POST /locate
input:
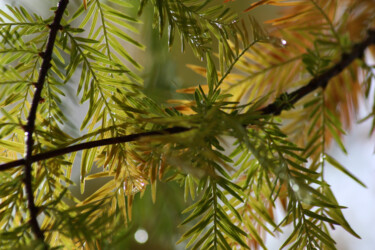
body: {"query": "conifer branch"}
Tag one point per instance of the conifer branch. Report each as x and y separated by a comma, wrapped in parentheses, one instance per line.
(274, 108)
(321, 80)
(93, 144)
(30, 127)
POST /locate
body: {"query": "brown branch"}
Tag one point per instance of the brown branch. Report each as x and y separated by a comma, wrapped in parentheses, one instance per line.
(30, 127)
(273, 109)
(321, 80)
(93, 144)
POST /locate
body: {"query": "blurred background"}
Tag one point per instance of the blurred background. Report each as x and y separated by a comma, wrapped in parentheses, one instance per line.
(155, 226)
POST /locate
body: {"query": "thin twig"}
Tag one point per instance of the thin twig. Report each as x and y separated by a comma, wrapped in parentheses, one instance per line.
(272, 109)
(30, 127)
(234, 63)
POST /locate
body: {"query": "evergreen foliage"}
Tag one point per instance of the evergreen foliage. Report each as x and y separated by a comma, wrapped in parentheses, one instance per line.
(265, 87)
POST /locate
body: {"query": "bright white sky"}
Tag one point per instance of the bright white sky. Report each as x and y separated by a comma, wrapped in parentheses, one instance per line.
(360, 201)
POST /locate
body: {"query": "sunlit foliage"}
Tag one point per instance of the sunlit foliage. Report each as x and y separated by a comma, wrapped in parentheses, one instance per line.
(279, 93)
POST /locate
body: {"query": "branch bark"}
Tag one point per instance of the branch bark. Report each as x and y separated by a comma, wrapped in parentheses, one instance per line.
(274, 108)
(321, 80)
(93, 144)
(30, 127)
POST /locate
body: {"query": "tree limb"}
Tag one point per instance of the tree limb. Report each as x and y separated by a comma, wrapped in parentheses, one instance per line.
(93, 144)
(274, 108)
(321, 80)
(30, 127)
